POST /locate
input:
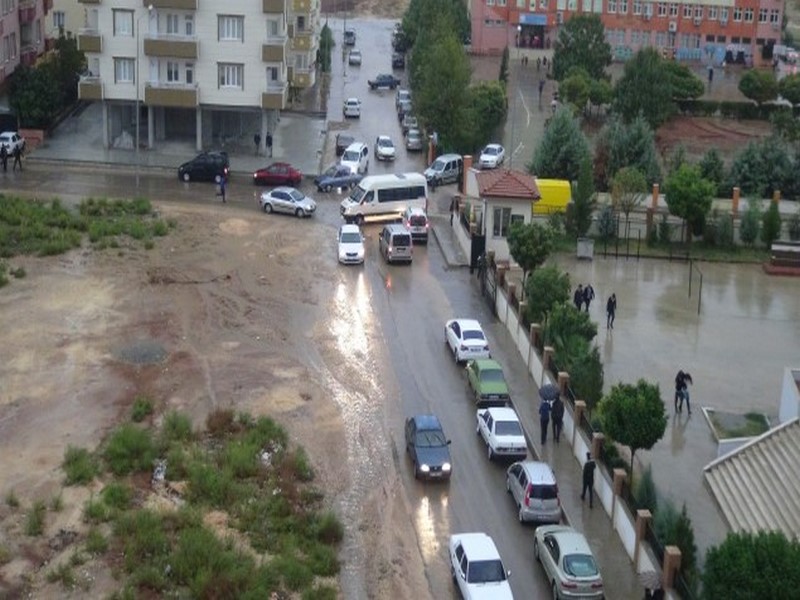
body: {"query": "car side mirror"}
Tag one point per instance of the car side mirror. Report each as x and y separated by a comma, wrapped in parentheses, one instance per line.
(449, 442)
(508, 574)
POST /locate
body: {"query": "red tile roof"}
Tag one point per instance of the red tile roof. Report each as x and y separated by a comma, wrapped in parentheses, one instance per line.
(505, 183)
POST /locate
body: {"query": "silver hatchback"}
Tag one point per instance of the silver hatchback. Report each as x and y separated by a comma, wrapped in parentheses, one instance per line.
(532, 485)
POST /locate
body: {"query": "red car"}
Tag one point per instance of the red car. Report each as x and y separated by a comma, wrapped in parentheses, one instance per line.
(278, 173)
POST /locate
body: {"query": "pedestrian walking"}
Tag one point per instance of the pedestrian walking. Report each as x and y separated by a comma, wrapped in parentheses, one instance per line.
(588, 479)
(611, 311)
(557, 416)
(544, 61)
(222, 186)
(577, 298)
(588, 295)
(4, 157)
(710, 74)
(682, 382)
(544, 419)
(554, 105)
(17, 158)
(453, 209)
(257, 142)
(269, 143)
(538, 63)
(541, 88)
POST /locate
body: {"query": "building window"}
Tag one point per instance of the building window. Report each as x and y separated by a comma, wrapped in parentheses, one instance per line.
(501, 2)
(623, 7)
(587, 6)
(645, 38)
(612, 7)
(637, 7)
(489, 2)
(673, 10)
(123, 22)
(747, 41)
(189, 73)
(763, 15)
(687, 11)
(737, 14)
(698, 12)
(231, 28)
(301, 62)
(58, 19)
(598, 7)
(723, 14)
(662, 9)
(172, 25)
(273, 75)
(735, 40)
(542, 5)
(661, 39)
(721, 39)
(712, 14)
(301, 23)
(173, 74)
(774, 16)
(189, 25)
(273, 28)
(748, 15)
(501, 222)
(124, 70)
(231, 76)
(572, 5)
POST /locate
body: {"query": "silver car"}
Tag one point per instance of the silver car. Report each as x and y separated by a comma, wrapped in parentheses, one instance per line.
(414, 140)
(533, 488)
(287, 200)
(568, 563)
(354, 58)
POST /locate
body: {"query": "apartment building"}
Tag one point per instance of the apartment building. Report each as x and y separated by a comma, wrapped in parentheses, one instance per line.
(738, 31)
(195, 69)
(22, 34)
(68, 16)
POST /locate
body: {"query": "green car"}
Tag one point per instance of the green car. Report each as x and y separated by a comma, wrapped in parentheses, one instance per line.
(487, 382)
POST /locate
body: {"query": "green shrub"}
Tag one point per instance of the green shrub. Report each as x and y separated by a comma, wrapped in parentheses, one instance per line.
(142, 408)
(18, 273)
(117, 495)
(267, 433)
(96, 543)
(63, 574)
(160, 228)
(323, 592)
(750, 223)
(724, 231)
(645, 492)
(607, 224)
(149, 577)
(143, 537)
(34, 521)
(79, 465)
(301, 466)
(545, 288)
(296, 575)
(770, 224)
(322, 560)
(129, 449)
(57, 502)
(176, 427)
(11, 499)
(211, 485)
(241, 458)
(95, 511)
(329, 529)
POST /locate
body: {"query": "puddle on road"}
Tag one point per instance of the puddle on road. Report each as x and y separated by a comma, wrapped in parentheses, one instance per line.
(141, 352)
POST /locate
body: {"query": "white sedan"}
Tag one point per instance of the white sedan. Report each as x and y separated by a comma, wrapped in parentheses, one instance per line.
(466, 339)
(492, 156)
(287, 200)
(352, 108)
(501, 430)
(477, 569)
(12, 140)
(568, 562)
(351, 245)
(384, 148)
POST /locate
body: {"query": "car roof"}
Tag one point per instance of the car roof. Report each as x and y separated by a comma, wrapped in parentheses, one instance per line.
(493, 146)
(538, 472)
(350, 228)
(355, 51)
(285, 188)
(427, 422)
(416, 210)
(384, 137)
(344, 136)
(279, 164)
(353, 100)
(569, 540)
(355, 147)
(503, 413)
(468, 323)
(414, 131)
(478, 546)
(486, 363)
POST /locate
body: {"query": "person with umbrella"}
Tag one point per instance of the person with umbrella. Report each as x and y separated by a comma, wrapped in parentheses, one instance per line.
(548, 393)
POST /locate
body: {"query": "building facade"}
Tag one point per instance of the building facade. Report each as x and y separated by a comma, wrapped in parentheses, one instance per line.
(67, 16)
(22, 34)
(736, 31)
(197, 69)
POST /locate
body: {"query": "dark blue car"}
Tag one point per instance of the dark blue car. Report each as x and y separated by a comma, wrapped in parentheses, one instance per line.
(428, 447)
(337, 176)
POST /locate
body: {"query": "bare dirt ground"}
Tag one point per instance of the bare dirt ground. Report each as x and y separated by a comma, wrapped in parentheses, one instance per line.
(699, 134)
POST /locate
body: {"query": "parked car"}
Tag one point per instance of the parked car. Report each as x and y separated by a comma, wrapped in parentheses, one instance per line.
(414, 140)
(447, 168)
(354, 58)
(287, 200)
(279, 173)
(398, 60)
(568, 562)
(404, 108)
(350, 243)
(401, 95)
(384, 148)
(428, 447)
(349, 37)
(206, 166)
(384, 80)
(532, 485)
(487, 382)
(492, 156)
(477, 569)
(356, 158)
(343, 140)
(501, 430)
(465, 339)
(409, 122)
(12, 140)
(337, 176)
(417, 223)
(352, 108)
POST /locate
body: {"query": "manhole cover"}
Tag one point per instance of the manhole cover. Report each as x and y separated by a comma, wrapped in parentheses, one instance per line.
(142, 352)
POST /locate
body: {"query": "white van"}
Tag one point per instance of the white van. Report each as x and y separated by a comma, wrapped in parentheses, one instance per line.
(381, 197)
(445, 169)
(356, 158)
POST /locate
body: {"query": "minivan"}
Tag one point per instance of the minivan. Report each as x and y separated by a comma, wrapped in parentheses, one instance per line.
(416, 221)
(395, 243)
(532, 485)
(356, 157)
(445, 169)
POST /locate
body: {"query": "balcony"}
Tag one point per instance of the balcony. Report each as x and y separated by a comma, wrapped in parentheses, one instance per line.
(303, 40)
(90, 88)
(274, 6)
(28, 54)
(27, 12)
(169, 46)
(179, 4)
(303, 78)
(90, 40)
(274, 49)
(177, 95)
(303, 6)
(89, 1)
(275, 96)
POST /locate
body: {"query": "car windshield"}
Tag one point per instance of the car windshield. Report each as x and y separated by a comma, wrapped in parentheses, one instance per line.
(413, 135)
(507, 428)
(438, 165)
(430, 439)
(492, 376)
(385, 143)
(331, 171)
(351, 156)
(473, 334)
(490, 151)
(486, 571)
(357, 194)
(417, 220)
(296, 195)
(351, 237)
(580, 565)
(543, 492)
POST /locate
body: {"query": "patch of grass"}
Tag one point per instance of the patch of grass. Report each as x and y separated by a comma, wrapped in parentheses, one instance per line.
(220, 422)
(177, 463)
(301, 465)
(322, 560)
(34, 521)
(328, 528)
(150, 577)
(57, 503)
(321, 592)
(176, 427)
(241, 458)
(143, 536)
(211, 485)
(117, 496)
(79, 465)
(142, 408)
(5, 555)
(160, 228)
(95, 511)
(62, 574)
(296, 575)
(11, 499)
(77, 559)
(130, 449)
(96, 542)
(734, 426)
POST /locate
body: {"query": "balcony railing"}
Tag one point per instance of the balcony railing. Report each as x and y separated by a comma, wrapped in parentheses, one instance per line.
(164, 93)
(275, 95)
(178, 4)
(90, 87)
(27, 12)
(27, 55)
(274, 49)
(273, 6)
(169, 45)
(90, 40)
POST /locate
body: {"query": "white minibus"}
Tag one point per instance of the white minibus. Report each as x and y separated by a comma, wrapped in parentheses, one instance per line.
(381, 197)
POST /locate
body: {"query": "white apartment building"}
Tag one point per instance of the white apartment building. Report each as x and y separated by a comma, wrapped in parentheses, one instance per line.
(196, 68)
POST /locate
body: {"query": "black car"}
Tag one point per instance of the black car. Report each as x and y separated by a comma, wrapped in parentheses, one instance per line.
(343, 140)
(206, 166)
(350, 37)
(398, 60)
(384, 80)
(428, 447)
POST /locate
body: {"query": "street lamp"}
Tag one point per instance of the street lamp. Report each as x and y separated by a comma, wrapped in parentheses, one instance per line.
(514, 106)
(136, 81)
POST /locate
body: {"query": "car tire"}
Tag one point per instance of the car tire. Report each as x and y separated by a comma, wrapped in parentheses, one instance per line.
(555, 590)
(267, 207)
(416, 470)
(327, 189)
(521, 516)
(299, 213)
(359, 220)
(489, 452)
(508, 485)
(536, 556)
(186, 177)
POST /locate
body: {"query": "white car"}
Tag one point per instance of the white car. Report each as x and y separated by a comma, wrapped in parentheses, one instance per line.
(352, 108)
(492, 156)
(568, 562)
(287, 200)
(477, 569)
(350, 241)
(501, 430)
(384, 148)
(466, 339)
(12, 140)
(354, 58)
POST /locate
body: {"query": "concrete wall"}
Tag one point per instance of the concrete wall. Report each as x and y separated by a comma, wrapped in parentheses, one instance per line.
(790, 396)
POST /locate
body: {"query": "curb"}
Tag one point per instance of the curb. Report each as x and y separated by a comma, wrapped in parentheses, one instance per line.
(451, 264)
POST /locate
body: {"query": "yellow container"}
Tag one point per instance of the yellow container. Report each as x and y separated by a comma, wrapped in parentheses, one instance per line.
(556, 194)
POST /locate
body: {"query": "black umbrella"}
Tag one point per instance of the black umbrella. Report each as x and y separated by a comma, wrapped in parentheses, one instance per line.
(549, 392)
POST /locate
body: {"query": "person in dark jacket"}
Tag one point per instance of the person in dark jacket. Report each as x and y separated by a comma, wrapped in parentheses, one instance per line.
(544, 419)
(4, 157)
(682, 381)
(17, 154)
(588, 295)
(577, 298)
(588, 479)
(557, 416)
(611, 311)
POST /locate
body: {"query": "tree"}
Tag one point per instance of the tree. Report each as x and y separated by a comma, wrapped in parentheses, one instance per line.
(689, 196)
(579, 211)
(623, 144)
(770, 224)
(586, 376)
(748, 565)
(529, 244)
(566, 321)
(750, 225)
(562, 150)
(759, 86)
(627, 191)
(762, 167)
(634, 415)
(544, 289)
(789, 88)
(421, 13)
(607, 223)
(581, 42)
(634, 93)
(600, 92)
(488, 101)
(575, 88)
(685, 84)
(35, 95)
(503, 77)
(713, 169)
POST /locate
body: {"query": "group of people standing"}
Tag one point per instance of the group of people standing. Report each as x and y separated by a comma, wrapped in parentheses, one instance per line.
(583, 297)
(16, 154)
(551, 410)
